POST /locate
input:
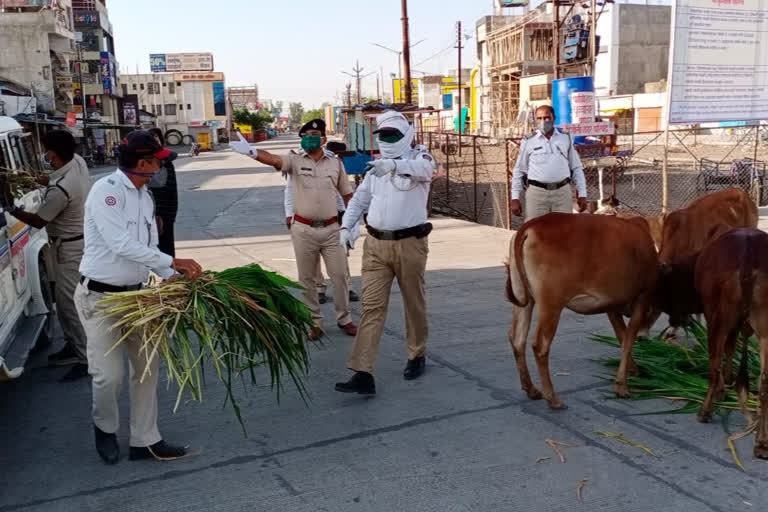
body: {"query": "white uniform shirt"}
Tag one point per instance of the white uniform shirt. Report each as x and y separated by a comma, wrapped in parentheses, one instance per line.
(395, 202)
(121, 234)
(548, 161)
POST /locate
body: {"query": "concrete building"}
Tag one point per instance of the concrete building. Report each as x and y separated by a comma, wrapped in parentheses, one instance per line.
(36, 49)
(94, 74)
(190, 102)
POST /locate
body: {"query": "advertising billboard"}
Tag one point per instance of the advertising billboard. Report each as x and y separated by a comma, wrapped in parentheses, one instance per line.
(175, 62)
(107, 72)
(718, 62)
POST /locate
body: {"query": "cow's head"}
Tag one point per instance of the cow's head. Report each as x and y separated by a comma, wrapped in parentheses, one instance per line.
(676, 291)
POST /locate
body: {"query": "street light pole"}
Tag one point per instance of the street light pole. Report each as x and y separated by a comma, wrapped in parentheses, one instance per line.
(406, 53)
(84, 100)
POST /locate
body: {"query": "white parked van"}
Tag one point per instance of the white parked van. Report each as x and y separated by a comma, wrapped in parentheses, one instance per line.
(26, 300)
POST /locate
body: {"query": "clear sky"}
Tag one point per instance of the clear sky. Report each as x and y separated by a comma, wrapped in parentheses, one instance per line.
(295, 50)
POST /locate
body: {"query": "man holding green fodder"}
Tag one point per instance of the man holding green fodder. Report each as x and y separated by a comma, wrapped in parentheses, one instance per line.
(120, 249)
(316, 180)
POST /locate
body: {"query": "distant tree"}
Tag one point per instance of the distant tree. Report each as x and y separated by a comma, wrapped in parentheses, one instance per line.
(256, 120)
(296, 110)
(318, 113)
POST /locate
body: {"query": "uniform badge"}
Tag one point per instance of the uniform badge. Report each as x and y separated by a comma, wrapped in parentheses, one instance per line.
(426, 157)
(110, 200)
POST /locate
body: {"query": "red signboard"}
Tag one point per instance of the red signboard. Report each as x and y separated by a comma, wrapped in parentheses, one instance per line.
(71, 119)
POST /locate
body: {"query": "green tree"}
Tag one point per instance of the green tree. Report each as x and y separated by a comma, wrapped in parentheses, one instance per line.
(256, 120)
(296, 110)
(312, 114)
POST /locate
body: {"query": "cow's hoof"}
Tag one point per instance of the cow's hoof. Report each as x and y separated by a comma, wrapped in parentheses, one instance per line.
(534, 394)
(621, 391)
(761, 450)
(557, 405)
(704, 417)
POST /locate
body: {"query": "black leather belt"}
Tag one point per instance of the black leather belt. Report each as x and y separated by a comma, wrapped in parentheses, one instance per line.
(419, 231)
(99, 287)
(73, 239)
(550, 186)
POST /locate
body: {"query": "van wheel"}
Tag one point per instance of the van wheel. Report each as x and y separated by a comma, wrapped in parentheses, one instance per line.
(46, 335)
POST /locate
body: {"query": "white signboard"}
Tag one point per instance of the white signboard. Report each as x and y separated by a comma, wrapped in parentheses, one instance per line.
(594, 129)
(582, 107)
(719, 61)
(189, 62)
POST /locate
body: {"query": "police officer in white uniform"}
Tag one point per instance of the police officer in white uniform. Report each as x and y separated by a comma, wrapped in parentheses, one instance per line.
(120, 249)
(394, 192)
(551, 163)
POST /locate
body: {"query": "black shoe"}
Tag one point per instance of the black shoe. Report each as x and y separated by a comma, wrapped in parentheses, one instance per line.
(322, 298)
(361, 383)
(160, 451)
(78, 371)
(414, 368)
(106, 445)
(353, 297)
(63, 357)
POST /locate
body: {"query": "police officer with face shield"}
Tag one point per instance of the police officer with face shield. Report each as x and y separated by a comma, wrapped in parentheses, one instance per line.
(61, 213)
(394, 192)
(317, 179)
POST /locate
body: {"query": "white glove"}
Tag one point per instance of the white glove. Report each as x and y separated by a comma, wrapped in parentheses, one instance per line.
(243, 147)
(356, 230)
(380, 167)
(347, 240)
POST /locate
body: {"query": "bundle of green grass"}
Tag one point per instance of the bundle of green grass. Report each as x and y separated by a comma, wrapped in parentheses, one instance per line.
(235, 320)
(679, 371)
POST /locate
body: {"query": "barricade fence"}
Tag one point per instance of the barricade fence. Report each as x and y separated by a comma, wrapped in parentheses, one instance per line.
(474, 171)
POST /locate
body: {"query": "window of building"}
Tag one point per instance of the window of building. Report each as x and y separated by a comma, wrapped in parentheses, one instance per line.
(170, 109)
(144, 108)
(181, 107)
(540, 92)
(171, 88)
(157, 110)
(189, 106)
(178, 84)
(133, 86)
(141, 86)
(125, 89)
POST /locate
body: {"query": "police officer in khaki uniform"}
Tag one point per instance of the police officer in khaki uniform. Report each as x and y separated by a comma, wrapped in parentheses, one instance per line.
(317, 178)
(61, 213)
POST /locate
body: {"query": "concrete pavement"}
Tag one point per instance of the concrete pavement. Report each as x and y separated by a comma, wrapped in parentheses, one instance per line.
(461, 438)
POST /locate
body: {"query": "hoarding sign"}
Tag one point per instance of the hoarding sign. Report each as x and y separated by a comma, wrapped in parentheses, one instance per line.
(71, 119)
(130, 113)
(718, 62)
(198, 77)
(398, 90)
(594, 129)
(175, 62)
(582, 107)
(243, 128)
(107, 71)
(86, 18)
(219, 99)
(157, 62)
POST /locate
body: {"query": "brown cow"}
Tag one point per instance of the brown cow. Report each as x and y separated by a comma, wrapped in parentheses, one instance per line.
(728, 282)
(557, 261)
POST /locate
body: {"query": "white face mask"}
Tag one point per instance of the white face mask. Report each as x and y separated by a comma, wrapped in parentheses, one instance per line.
(399, 148)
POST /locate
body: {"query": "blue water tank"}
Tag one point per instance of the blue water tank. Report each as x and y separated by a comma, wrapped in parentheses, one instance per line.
(561, 98)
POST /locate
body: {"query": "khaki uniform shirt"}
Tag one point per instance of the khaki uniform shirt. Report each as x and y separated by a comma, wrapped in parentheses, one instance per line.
(316, 185)
(64, 199)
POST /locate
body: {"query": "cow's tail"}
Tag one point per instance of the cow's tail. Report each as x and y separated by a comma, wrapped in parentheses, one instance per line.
(517, 280)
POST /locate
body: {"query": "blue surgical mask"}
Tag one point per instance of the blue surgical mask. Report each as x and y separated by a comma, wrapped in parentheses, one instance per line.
(45, 162)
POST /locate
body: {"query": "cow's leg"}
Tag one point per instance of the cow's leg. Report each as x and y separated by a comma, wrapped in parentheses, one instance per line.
(617, 322)
(650, 317)
(761, 440)
(717, 338)
(730, 351)
(627, 364)
(518, 336)
(742, 380)
(545, 333)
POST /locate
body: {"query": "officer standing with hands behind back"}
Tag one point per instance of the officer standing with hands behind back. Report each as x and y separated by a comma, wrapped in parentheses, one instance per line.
(120, 249)
(550, 162)
(317, 178)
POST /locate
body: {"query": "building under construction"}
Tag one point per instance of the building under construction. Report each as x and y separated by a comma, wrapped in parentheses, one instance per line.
(517, 49)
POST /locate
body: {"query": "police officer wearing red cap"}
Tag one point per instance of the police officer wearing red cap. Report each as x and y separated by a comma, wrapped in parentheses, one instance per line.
(120, 250)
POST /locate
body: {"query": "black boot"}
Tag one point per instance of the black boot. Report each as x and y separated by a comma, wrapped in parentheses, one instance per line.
(106, 445)
(361, 383)
(414, 368)
(160, 451)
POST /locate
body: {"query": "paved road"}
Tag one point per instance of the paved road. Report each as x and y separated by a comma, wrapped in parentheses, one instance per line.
(462, 438)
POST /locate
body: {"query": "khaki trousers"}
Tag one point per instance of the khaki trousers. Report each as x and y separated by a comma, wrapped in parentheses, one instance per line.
(67, 269)
(108, 373)
(539, 201)
(320, 278)
(309, 244)
(384, 260)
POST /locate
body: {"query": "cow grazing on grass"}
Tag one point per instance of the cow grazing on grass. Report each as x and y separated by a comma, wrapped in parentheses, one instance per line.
(590, 264)
(728, 282)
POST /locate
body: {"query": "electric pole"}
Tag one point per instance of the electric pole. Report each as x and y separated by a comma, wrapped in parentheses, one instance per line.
(406, 53)
(83, 100)
(458, 81)
(357, 69)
